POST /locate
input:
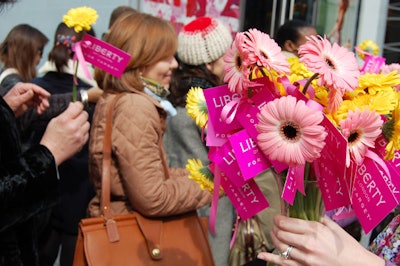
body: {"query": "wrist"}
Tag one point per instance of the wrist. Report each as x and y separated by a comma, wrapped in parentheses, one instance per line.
(84, 97)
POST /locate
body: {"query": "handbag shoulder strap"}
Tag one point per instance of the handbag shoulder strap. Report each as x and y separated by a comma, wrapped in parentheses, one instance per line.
(106, 163)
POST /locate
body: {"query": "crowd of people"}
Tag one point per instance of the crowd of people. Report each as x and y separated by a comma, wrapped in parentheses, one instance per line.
(51, 147)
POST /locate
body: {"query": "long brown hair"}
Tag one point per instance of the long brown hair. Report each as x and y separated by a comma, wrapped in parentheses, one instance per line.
(64, 38)
(20, 48)
(186, 76)
(148, 39)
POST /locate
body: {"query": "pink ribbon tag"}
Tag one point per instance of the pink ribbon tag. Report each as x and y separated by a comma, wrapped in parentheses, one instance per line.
(344, 213)
(267, 85)
(105, 56)
(215, 198)
(331, 168)
(289, 87)
(372, 199)
(342, 216)
(373, 64)
(310, 103)
(225, 158)
(212, 153)
(294, 181)
(350, 177)
(248, 110)
(290, 187)
(232, 242)
(310, 90)
(393, 181)
(213, 138)
(249, 157)
(216, 99)
(78, 55)
(247, 199)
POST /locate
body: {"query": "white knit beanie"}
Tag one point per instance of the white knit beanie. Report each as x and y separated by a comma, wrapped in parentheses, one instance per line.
(203, 41)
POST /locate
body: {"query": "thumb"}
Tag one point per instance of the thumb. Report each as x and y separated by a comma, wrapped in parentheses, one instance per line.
(26, 96)
(73, 110)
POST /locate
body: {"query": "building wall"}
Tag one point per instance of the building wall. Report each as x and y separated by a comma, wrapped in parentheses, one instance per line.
(372, 21)
(46, 14)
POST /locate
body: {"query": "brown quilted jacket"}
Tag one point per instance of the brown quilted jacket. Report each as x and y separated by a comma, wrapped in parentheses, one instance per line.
(138, 179)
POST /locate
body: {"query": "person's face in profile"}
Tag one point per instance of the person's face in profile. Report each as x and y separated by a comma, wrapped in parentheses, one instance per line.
(303, 33)
(292, 47)
(161, 71)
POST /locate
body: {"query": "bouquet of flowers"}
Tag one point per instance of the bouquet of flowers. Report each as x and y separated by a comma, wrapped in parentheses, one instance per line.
(320, 118)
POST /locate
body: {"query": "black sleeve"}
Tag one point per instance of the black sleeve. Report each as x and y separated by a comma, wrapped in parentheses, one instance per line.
(9, 82)
(28, 185)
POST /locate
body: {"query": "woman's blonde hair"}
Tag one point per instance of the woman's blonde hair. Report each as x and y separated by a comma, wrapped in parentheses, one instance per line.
(148, 39)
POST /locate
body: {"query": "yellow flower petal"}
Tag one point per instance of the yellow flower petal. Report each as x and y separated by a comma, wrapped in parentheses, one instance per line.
(196, 106)
(80, 18)
(197, 173)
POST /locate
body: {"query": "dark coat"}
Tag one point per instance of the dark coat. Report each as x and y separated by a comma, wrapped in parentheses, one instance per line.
(75, 188)
(28, 187)
(9, 82)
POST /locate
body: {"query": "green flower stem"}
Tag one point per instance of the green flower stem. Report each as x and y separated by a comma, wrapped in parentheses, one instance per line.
(311, 200)
(309, 82)
(299, 207)
(318, 205)
(280, 181)
(307, 207)
(74, 89)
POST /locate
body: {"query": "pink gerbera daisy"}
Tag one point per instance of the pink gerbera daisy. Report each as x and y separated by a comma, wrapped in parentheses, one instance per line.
(361, 128)
(264, 52)
(335, 99)
(336, 65)
(237, 72)
(289, 131)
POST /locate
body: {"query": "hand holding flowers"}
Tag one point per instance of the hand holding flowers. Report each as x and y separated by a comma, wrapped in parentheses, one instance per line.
(80, 19)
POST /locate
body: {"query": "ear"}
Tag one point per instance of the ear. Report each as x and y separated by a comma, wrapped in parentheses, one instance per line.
(290, 46)
(210, 66)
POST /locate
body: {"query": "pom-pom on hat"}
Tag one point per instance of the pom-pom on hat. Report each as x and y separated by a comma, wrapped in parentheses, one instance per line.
(203, 41)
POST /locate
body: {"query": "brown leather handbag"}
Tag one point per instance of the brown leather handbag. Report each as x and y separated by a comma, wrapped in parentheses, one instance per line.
(131, 239)
(250, 240)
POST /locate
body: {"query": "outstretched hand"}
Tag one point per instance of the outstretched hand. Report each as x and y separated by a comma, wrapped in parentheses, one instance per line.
(25, 95)
(316, 243)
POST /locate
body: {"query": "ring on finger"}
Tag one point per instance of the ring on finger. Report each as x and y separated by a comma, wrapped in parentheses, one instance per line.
(286, 253)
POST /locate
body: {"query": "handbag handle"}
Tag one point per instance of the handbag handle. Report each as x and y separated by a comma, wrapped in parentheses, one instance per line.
(111, 225)
(106, 163)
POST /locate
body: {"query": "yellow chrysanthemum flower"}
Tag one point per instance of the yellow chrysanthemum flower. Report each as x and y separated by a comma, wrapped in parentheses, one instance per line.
(81, 18)
(382, 102)
(196, 106)
(377, 82)
(321, 93)
(391, 131)
(368, 46)
(298, 70)
(201, 174)
(342, 111)
(375, 92)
